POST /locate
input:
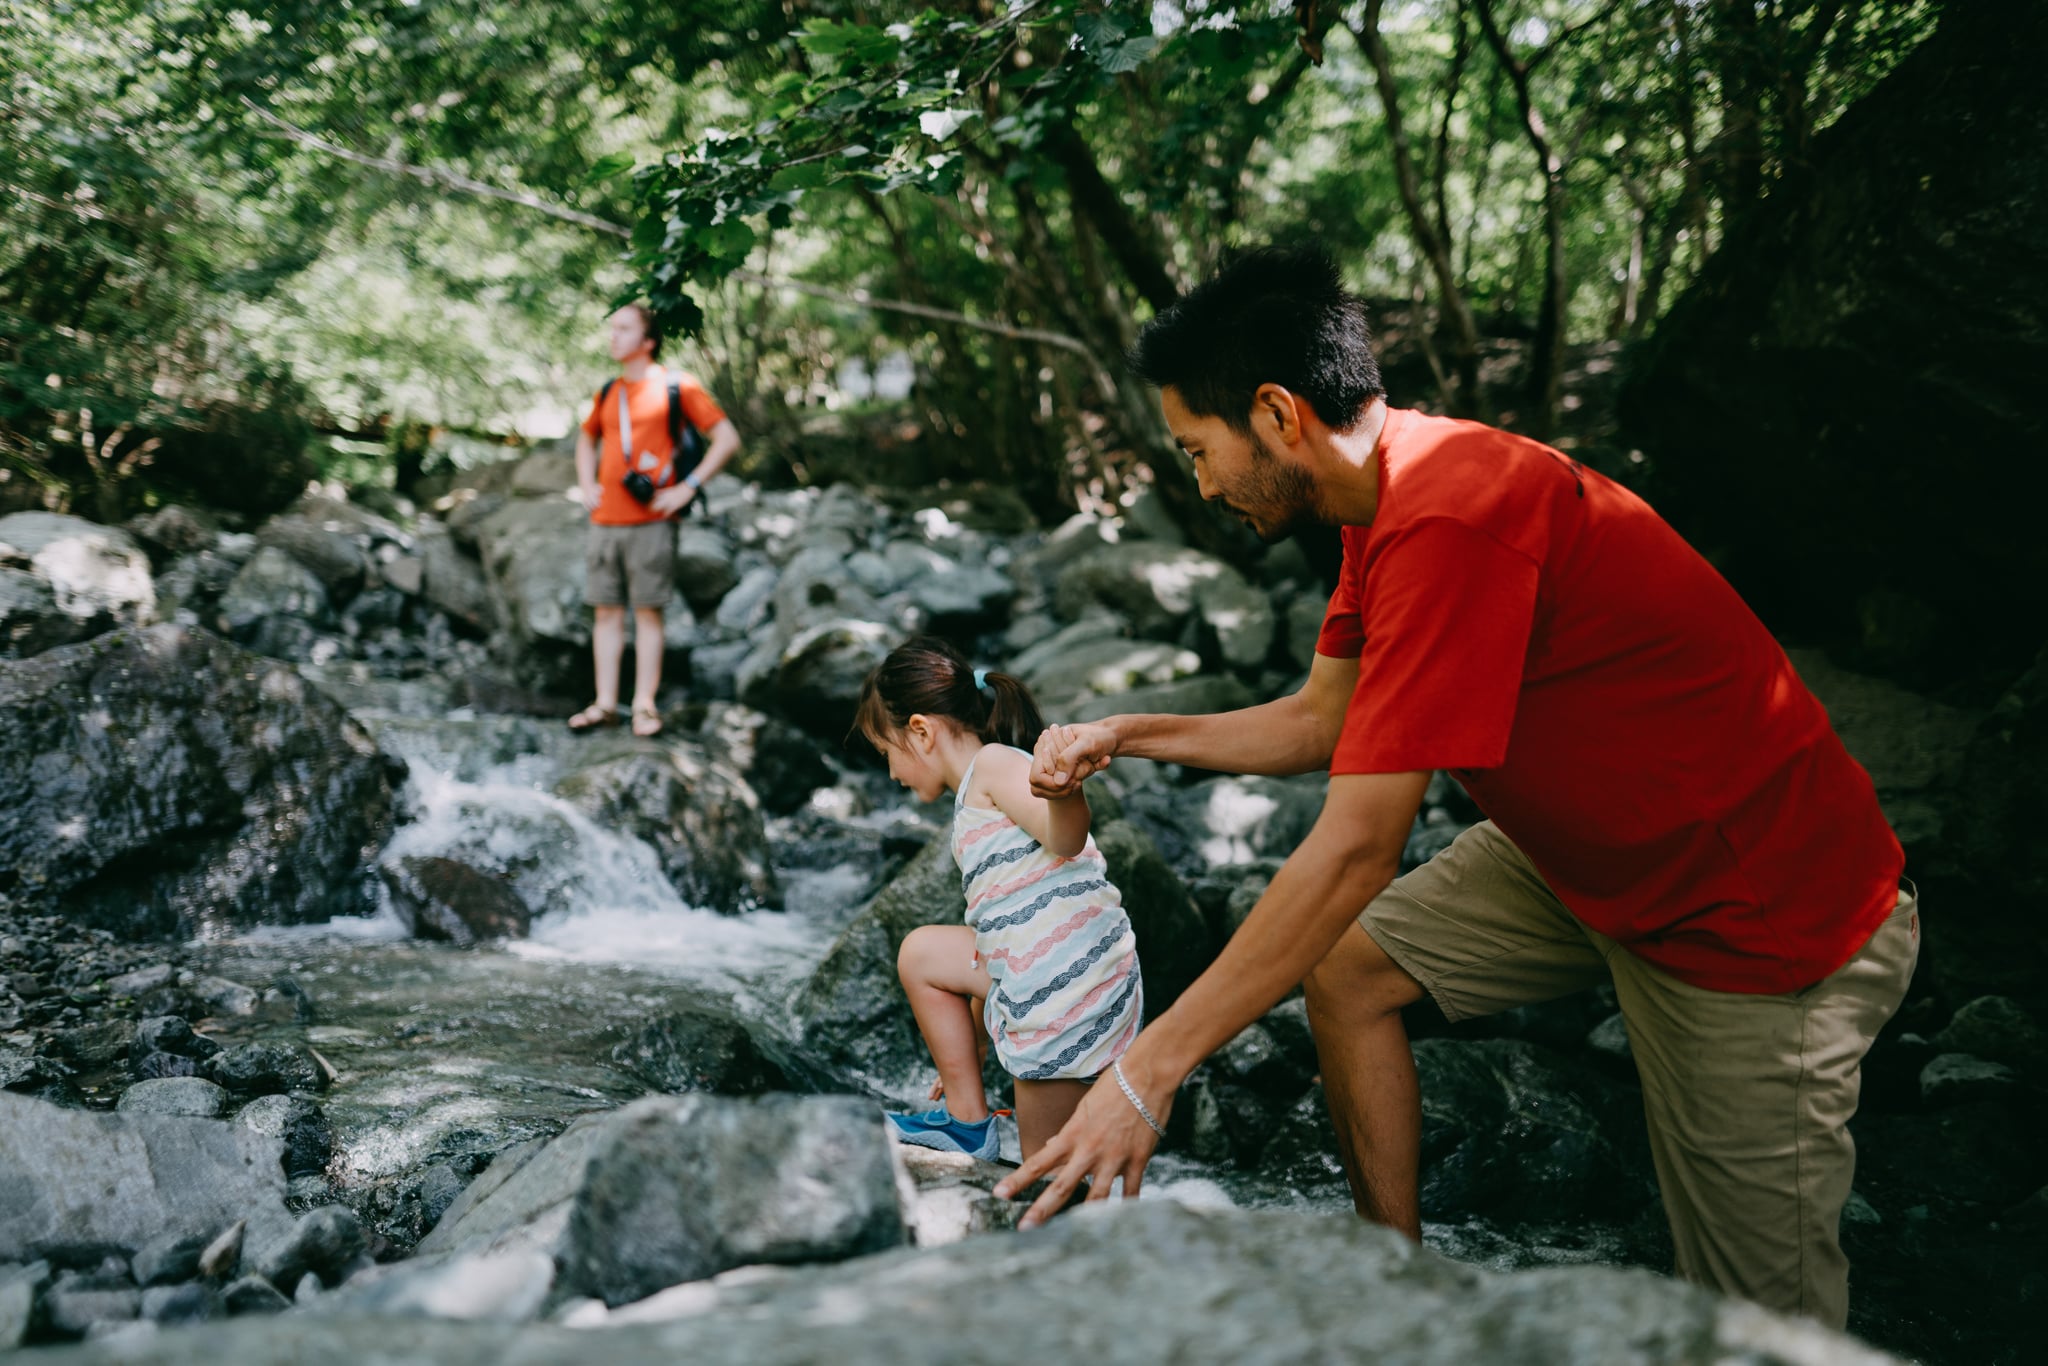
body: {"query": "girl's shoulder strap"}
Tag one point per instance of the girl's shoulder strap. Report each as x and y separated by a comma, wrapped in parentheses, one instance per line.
(960, 793)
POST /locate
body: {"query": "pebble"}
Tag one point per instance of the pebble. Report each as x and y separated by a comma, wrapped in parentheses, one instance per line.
(75, 1303)
(191, 1303)
(227, 998)
(20, 1289)
(167, 1260)
(192, 1096)
(1958, 1076)
(322, 1242)
(223, 1252)
(141, 980)
(156, 1065)
(253, 1295)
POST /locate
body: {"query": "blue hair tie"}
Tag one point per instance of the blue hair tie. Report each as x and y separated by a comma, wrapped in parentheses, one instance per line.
(981, 680)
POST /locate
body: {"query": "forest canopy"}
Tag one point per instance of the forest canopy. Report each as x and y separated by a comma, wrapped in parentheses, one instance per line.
(365, 235)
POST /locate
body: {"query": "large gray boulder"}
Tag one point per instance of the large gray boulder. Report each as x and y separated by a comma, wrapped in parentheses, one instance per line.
(29, 620)
(1094, 657)
(781, 763)
(1516, 1132)
(705, 572)
(69, 579)
(267, 599)
(160, 780)
(816, 679)
(451, 581)
(326, 543)
(1198, 695)
(190, 588)
(80, 1185)
(1160, 588)
(705, 1047)
(447, 899)
(696, 812)
(532, 552)
(677, 1188)
(850, 1013)
(1120, 1286)
(956, 597)
(173, 530)
(815, 590)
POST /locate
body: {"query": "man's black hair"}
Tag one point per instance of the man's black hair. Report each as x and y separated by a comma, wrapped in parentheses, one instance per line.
(1278, 315)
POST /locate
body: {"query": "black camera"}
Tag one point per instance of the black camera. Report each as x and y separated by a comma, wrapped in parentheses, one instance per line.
(640, 486)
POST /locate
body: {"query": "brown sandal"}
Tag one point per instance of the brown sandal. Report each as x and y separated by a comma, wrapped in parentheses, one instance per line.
(594, 717)
(646, 714)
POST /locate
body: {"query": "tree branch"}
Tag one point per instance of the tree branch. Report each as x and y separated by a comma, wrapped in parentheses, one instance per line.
(434, 176)
(859, 298)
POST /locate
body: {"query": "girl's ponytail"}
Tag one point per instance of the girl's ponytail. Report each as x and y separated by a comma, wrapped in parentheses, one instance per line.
(1013, 717)
(928, 675)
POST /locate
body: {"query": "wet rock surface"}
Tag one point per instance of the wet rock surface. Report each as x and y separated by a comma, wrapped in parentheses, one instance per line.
(218, 788)
(410, 1083)
(1140, 1284)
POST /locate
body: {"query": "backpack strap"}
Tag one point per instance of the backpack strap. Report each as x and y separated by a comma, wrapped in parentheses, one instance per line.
(686, 443)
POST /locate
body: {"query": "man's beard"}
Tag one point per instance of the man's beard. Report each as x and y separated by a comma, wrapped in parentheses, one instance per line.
(1275, 499)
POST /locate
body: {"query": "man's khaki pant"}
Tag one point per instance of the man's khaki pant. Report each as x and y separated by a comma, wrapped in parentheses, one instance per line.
(1748, 1098)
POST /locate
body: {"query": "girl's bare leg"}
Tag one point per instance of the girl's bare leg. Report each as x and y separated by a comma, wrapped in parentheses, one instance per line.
(943, 980)
(1043, 1108)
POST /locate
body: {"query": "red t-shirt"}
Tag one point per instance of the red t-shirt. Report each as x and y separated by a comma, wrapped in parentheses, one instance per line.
(647, 402)
(1611, 704)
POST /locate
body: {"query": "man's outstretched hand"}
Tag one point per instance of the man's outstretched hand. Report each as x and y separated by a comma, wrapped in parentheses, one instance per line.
(1067, 756)
(1105, 1138)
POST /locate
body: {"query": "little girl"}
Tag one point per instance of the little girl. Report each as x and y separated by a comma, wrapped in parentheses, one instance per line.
(1046, 962)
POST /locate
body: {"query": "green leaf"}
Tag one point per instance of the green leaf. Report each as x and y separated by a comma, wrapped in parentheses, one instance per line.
(606, 167)
(1128, 55)
(1097, 31)
(727, 241)
(857, 42)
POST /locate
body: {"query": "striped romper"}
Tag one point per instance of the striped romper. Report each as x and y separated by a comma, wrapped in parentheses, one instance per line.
(1058, 947)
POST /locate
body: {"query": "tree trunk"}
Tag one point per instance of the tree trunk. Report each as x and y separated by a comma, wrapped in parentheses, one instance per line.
(1128, 237)
(1434, 246)
(1545, 379)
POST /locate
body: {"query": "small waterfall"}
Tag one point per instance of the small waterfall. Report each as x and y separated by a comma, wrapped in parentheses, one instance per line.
(478, 792)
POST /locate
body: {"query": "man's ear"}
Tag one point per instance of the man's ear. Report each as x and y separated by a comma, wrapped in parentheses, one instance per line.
(1278, 405)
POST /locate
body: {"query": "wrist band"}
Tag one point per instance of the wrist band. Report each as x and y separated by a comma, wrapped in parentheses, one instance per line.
(1116, 1069)
(692, 480)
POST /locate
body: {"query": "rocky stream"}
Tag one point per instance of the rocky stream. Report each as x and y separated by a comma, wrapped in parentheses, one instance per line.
(340, 984)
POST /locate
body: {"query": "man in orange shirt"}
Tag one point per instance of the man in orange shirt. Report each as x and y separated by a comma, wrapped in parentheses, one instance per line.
(631, 553)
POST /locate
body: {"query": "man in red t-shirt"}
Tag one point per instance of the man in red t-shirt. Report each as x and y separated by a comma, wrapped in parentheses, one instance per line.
(1667, 806)
(630, 557)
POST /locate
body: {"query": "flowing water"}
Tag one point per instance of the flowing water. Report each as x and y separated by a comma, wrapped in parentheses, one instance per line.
(444, 1052)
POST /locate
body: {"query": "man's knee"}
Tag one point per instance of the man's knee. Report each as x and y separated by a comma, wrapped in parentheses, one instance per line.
(1358, 981)
(609, 613)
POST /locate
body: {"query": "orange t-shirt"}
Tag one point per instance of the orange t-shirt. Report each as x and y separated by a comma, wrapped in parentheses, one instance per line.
(647, 402)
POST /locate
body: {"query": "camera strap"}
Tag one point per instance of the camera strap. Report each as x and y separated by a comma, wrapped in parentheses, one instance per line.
(660, 476)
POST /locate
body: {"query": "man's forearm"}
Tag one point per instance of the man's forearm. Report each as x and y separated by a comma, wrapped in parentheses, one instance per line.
(725, 441)
(1281, 737)
(586, 460)
(1308, 905)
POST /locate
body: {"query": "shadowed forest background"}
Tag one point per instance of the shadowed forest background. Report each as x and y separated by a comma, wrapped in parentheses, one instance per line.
(1780, 266)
